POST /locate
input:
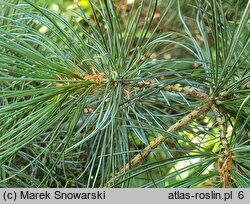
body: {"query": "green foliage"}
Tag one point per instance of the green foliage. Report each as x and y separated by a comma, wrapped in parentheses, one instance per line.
(81, 96)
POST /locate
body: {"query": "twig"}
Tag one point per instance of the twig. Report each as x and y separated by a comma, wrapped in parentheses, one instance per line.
(193, 115)
(190, 91)
(226, 157)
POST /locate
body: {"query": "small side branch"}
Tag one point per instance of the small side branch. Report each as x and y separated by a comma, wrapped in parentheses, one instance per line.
(189, 91)
(225, 161)
(185, 120)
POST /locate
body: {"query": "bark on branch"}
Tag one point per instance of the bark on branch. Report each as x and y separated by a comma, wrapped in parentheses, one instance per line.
(225, 161)
(190, 91)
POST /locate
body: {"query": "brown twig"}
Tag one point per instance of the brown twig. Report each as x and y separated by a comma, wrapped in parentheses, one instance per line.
(225, 161)
(185, 120)
(190, 91)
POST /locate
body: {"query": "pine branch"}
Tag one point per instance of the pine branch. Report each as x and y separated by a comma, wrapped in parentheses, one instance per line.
(225, 161)
(190, 91)
(202, 109)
